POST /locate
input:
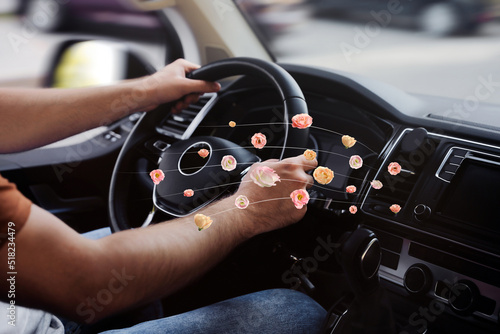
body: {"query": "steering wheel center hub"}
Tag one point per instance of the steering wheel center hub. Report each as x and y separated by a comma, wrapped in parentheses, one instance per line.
(193, 160)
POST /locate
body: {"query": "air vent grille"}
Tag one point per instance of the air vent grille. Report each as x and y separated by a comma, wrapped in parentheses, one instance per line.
(182, 124)
(397, 189)
(451, 163)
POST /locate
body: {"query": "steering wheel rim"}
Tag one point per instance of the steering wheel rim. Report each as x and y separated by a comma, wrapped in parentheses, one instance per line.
(293, 103)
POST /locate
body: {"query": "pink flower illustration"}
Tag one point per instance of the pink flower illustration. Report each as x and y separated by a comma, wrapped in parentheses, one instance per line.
(264, 176)
(394, 168)
(228, 163)
(355, 162)
(203, 153)
(157, 176)
(203, 222)
(241, 202)
(188, 193)
(376, 184)
(353, 209)
(350, 189)
(323, 175)
(259, 140)
(301, 121)
(395, 208)
(300, 197)
(348, 141)
(310, 154)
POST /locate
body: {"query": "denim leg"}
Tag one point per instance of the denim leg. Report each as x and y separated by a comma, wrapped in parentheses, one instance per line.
(97, 234)
(265, 312)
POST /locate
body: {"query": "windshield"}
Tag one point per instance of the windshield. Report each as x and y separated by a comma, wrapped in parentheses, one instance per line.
(442, 48)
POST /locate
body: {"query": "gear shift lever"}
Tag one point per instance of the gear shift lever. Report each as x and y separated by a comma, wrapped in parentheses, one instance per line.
(360, 256)
(369, 311)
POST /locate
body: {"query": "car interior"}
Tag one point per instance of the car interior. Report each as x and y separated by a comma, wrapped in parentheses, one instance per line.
(431, 267)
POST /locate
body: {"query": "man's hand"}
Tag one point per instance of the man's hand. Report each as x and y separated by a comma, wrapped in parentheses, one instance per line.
(272, 207)
(170, 84)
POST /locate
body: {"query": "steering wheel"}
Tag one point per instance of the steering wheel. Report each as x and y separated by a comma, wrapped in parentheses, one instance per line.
(183, 167)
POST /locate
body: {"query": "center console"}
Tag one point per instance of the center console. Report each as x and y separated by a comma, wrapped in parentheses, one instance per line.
(443, 246)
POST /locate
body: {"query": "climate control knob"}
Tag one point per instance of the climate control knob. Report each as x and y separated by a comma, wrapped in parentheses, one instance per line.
(418, 279)
(422, 212)
(463, 297)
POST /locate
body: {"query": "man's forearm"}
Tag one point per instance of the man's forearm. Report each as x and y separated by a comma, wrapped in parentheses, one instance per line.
(173, 254)
(35, 117)
(86, 280)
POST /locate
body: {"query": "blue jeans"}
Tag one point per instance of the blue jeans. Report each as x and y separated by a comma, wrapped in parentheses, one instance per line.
(264, 312)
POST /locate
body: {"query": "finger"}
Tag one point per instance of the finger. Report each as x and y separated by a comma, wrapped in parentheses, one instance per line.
(308, 164)
(191, 98)
(177, 108)
(302, 161)
(188, 66)
(310, 182)
(202, 86)
(270, 162)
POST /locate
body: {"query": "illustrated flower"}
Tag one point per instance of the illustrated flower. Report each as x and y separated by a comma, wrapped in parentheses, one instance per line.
(188, 193)
(350, 189)
(259, 140)
(353, 209)
(323, 175)
(228, 163)
(232, 124)
(203, 222)
(301, 121)
(348, 141)
(203, 153)
(264, 176)
(355, 162)
(395, 208)
(394, 168)
(157, 176)
(300, 197)
(310, 154)
(241, 202)
(376, 184)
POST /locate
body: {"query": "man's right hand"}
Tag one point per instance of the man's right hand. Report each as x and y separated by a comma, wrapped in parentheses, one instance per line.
(271, 207)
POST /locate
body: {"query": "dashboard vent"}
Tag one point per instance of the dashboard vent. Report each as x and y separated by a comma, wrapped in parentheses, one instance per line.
(397, 189)
(451, 163)
(183, 124)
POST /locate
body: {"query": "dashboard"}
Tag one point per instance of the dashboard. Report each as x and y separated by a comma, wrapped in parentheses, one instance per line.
(442, 249)
(443, 244)
(441, 252)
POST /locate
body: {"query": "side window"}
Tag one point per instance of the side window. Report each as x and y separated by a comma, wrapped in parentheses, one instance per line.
(33, 30)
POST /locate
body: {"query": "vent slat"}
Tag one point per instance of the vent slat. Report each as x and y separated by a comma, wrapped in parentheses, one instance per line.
(178, 123)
